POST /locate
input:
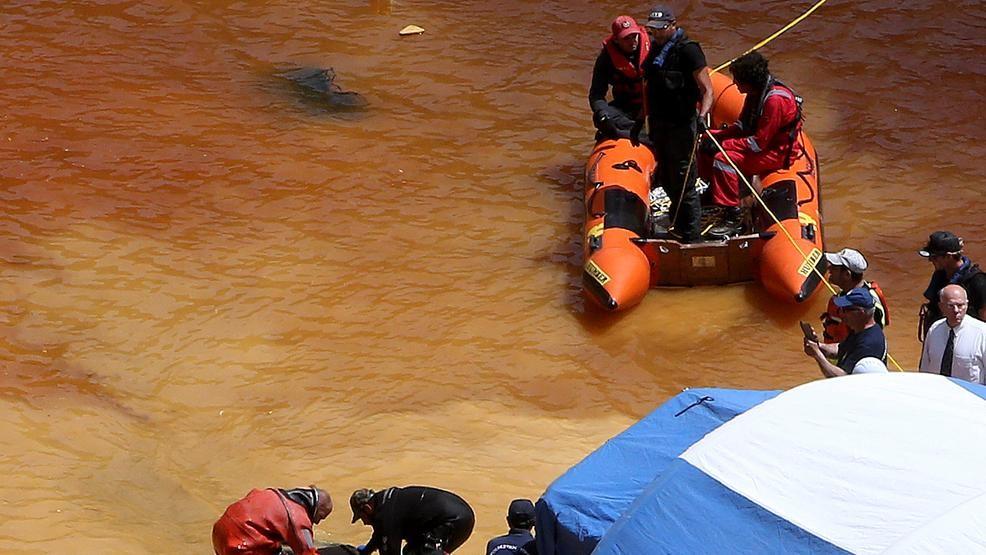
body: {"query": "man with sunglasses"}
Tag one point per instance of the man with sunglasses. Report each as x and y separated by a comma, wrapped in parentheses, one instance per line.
(678, 91)
(865, 339)
(944, 251)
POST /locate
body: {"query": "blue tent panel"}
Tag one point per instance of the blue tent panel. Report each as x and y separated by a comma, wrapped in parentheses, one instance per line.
(581, 505)
(718, 521)
(974, 388)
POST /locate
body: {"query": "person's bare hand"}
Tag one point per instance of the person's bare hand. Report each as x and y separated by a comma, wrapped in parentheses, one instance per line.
(812, 349)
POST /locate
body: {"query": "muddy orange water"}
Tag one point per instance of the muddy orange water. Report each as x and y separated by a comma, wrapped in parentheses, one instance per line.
(210, 283)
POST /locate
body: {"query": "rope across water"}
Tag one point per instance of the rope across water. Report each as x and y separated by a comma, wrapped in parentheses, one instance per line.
(783, 30)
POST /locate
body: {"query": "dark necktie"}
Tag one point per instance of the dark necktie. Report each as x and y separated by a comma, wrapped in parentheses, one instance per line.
(946, 357)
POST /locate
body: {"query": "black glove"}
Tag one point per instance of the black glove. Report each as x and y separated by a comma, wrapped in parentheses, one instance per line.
(706, 146)
(612, 123)
(700, 125)
(623, 123)
(603, 121)
(607, 110)
(604, 125)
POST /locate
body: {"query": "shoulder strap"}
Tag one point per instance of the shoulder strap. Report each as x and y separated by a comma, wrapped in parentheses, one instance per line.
(793, 127)
(797, 97)
(974, 270)
(285, 505)
(883, 300)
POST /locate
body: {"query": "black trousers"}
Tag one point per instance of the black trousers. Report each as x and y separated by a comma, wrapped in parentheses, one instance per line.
(674, 144)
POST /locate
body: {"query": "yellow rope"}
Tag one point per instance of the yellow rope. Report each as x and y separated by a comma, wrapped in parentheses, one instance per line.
(783, 30)
(891, 359)
(804, 257)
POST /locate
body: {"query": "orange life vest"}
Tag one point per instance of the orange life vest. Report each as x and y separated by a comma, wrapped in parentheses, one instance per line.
(834, 330)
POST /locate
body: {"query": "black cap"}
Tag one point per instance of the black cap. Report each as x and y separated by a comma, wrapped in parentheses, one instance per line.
(521, 511)
(658, 16)
(941, 242)
(357, 500)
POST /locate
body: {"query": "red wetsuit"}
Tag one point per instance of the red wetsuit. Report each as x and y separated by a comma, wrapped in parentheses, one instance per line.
(260, 523)
(759, 144)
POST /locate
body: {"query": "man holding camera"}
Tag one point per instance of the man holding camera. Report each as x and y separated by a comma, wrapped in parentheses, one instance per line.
(865, 339)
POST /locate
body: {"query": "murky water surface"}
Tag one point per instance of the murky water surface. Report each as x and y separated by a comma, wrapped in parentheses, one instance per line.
(213, 282)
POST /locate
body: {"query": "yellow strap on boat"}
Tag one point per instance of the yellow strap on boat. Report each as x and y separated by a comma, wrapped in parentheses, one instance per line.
(783, 30)
(805, 258)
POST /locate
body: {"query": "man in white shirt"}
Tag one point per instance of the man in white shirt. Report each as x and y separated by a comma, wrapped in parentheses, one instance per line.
(956, 345)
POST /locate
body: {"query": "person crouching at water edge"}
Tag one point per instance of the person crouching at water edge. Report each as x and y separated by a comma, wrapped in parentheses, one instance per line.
(866, 339)
(430, 520)
(267, 519)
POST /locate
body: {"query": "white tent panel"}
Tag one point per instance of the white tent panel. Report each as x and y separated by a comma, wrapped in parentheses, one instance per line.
(865, 462)
(962, 530)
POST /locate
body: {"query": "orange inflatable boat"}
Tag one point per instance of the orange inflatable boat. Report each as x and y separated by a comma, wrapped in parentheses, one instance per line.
(623, 260)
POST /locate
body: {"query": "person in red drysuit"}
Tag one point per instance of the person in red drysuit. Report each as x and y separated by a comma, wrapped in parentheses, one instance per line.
(765, 139)
(266, 519)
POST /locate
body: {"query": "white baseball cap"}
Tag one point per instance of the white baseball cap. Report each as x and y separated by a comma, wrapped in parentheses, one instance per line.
(849, 258)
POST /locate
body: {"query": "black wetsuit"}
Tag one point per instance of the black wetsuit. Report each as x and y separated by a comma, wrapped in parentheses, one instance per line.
(672, 99)
(430, 520)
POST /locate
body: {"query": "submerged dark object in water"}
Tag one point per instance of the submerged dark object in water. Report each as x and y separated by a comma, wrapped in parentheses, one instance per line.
(318, 84)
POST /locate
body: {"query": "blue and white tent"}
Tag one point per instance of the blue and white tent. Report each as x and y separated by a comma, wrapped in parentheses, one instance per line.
(876, 463)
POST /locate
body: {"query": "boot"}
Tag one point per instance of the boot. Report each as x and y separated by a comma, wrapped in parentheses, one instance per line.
(730, 225)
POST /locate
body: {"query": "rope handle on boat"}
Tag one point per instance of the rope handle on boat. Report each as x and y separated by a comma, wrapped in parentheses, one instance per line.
(783, 30)
(596, 185)
(804, 257)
